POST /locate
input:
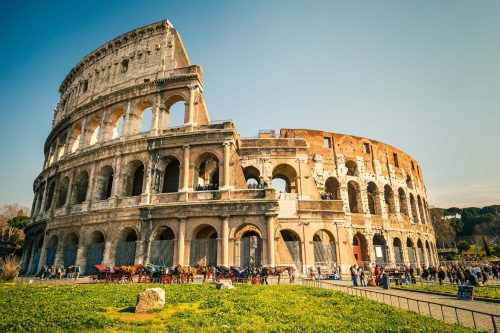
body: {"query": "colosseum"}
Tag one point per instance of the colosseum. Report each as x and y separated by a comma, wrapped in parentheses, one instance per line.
(123, 184)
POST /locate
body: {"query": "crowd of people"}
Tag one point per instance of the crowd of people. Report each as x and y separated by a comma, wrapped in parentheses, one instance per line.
(327, 196)
(257, 186)
(60, 272)
(208, 187)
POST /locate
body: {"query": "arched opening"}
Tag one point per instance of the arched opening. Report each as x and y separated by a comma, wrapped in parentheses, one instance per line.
(403, 207)
(74, 141)
(146, 119)
(95, 251)
(204, 247)
(125, 251)
(61, 148)
(332, 189)
(409, 182)
(354, 197)
(352, 168)
(104, 183)
(63, 192)
(114, 125)
(252, 176)
(284, 179)
(39, 195)
(134, 179)
(208, 172)
(390, 206)
(80, 187)
(380, 246)
(169, 175)
(398, 252)
(162, 247)
(70, 249)
(51, 251)
(175, 112)
(93, 129)
(421, 209)
(138, 118)
(413, 208)
(325, 254)
(50, 194)
(294, 247)
(421, 257)
(251, 248)
(360, 249)
(36, 256)
(373, 198)
(428, 251)
(411, 253)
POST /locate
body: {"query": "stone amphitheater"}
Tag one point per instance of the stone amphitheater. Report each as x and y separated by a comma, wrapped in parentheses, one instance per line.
(123, 184)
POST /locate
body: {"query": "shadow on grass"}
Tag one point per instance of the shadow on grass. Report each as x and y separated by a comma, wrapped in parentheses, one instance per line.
(130, 309)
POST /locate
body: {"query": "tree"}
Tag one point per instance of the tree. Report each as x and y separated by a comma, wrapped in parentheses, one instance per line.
(486, 247)
(463, 246)
(19, 222)
(452, 211)
(13, 218)
(457, 224)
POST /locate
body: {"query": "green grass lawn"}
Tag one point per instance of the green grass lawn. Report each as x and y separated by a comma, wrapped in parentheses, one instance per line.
(202, 308)
(482, 291)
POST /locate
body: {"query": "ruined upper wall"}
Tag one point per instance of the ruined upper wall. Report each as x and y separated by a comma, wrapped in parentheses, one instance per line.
(145, 54)
(353, 147)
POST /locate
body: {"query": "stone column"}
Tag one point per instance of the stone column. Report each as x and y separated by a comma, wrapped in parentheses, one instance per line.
(371, 251)
(139, 252)
(90, 189)
(67, 148)
(270, 239)
(155, 119)
(225, 240)
(115, 189)
(227, 160)
(149, 173)
(181, 239)
(83, 135)
(190, 107)
(44, 196)
(127, 121)
(185, 169)
(56, 152)
(106, 260)
(43, 253)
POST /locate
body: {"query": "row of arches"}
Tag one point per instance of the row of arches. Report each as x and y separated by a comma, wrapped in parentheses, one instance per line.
(351, 167)
(166, 176)
(110, 125)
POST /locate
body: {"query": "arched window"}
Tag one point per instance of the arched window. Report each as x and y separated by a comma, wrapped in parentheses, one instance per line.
(39, 196)
(411, 253)
(352, 168)
(126, 248)
(94, 252)
(175, 112)
(360, 249)
(170, 176)
(252, 176)
(104, 183)
(421, 209)
(138, 119)
(409, 182)
(354, 197)
(204, 247)
(114, 124)
(63, 192)
(93, 130)
(389, 199)
(70, 249)
(413, 208)
(162, 247)
(332, 189)
(50, 194)
(285, 179)
(403, 207)
(80, 187)
(74, 142)
(146, 120)
(379, 247)
(208, 172)
(398, 252)
(373, 199)
(294, 245)
(324, 248)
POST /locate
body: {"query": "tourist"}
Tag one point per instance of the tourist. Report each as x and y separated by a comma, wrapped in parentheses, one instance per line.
(354, 275)
(441, 275)
(77, 272)
(471, 278)
(361, 274)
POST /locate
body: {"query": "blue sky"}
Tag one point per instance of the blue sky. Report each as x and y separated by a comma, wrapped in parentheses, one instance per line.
(423, 76)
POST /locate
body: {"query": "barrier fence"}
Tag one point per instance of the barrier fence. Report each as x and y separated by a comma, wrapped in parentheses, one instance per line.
(488, 290)
(451, 314)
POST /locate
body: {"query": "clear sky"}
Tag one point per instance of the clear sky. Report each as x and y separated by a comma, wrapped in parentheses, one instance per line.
(423, 76)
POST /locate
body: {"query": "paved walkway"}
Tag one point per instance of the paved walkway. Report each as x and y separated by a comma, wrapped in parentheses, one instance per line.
(446, 308)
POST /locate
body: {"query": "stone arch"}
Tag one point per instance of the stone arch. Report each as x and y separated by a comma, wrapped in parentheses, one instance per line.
(413, 209)
(403, 206)
(207, 171)
(94, 251)
(162, 246)
(360, 248)
(409, 182)
(126, 247)
(324, 249)
(50, 258)
(176, 111)
(250, 245)
(372, 193)
(134, 179)
(288, 174)
(39, 197)
(62, 193)
(354, 197)
(135, 118)
(420, 209)
(168, 174)
(420, 248)
(61, 148)
(380, 249)
(203, 246)
(75, 138)
(398, 251)
(293, 244)
(115, 123)
(428, 251)
(147, 119)
(93, 130)
(390, 206)
(332, 188)
(70, 248)
(50, 194)
(252, 176)
(104, 183)
(411, 252)
(352, 168)
(80, 187)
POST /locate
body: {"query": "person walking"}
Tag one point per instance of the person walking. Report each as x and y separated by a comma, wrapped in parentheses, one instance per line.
(354, 276)
(77, 272)
(441, 275)
(361, 274)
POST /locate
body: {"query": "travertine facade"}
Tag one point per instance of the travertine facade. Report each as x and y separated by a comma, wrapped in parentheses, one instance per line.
(117, 190)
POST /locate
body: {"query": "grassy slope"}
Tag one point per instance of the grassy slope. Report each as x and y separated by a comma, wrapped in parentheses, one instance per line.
(195, 308)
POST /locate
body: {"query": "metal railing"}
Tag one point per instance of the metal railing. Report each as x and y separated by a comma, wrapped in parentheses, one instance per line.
(478, 320)
(490, 288)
